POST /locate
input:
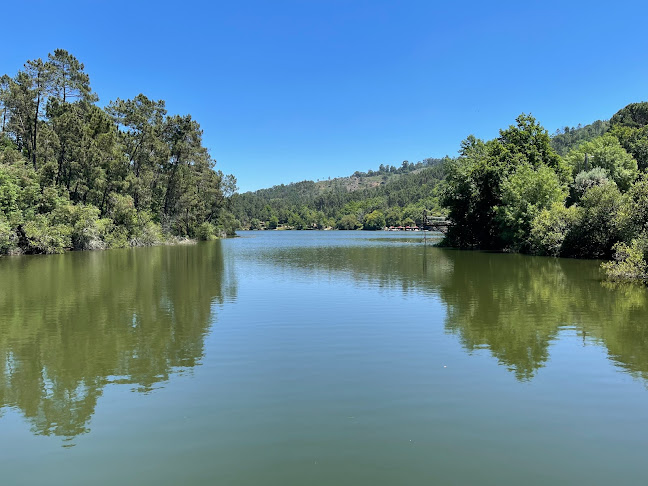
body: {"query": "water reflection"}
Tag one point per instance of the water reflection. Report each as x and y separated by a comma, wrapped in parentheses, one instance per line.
(71, 324)
(512, 305)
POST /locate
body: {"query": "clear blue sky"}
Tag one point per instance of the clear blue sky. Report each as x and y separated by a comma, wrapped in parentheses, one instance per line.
(294, 90)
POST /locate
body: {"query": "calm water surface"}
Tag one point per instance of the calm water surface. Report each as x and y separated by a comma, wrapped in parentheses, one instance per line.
(319, 358)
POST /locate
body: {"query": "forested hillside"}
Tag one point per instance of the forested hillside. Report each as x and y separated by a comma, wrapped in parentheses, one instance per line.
(516, 193)
(370, 200)
(568, 138)
(75, 175)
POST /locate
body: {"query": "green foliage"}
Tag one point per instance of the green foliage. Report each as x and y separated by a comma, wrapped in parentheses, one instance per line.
(630, 262)
(510, 193)
(634, 115)
(374, 221)
(630, 127)
(206, 232)
(307, 204)
(409, 222)
(81, 221)
(8, 238)
(227, 225)
(348, 222)
(549, 228)
(607, 153)
(525, 193)
(568, 138)
(126, 175)
(484, 174)
(596, 229)
(43, 236)
(585, 180)
(635, 141)
(393, 217)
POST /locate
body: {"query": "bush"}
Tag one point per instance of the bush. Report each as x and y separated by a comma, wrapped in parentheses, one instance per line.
(597, 228)
(206, 232)
(227, 224)
(145, 232)
(607, 153)
(44, 237)
(116, 237)
(630, 261)
(82, 221)
(148, 235)
(122, 211)
(585, 180)
(549, 227)
(8, 238)
(393, 217)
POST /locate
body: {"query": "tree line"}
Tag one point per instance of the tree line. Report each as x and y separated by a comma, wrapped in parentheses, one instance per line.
(74, 175)
(387, 197)
(516, 193)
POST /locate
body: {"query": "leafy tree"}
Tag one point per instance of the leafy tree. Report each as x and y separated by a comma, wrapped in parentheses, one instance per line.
(549, 228)
(393, 217)
(348, 222)
(596, 229)
(630, 126)
(605, 152)
(585, 180)
(525, 193)
(630, 261)
(374, 221)
(474, 183)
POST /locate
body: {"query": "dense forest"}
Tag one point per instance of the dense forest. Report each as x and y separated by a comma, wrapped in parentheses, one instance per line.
(389, 196)
(516, 193)
(74, 175)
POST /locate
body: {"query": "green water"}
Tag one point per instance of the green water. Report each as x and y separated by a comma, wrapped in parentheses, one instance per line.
(319, 358)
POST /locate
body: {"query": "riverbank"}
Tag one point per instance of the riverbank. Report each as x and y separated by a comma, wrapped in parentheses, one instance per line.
(98, 245)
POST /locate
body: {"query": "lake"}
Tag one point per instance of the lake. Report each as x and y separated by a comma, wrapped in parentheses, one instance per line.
(319, 358)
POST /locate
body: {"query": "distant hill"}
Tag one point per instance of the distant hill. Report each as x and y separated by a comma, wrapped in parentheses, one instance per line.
(565, 139)
(394, 193)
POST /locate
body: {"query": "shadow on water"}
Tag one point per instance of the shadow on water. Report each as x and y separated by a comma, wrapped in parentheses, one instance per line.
(72, 324)
(512, 305)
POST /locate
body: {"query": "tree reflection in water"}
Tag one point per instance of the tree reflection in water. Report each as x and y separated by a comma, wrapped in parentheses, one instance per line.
(512, 305)
(71, 324)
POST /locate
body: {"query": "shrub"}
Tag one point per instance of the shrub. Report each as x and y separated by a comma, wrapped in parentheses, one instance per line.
(629, 261)
(605, 152)
(597, 229)
(8, 239)
(44, 237)
(549, 227)
(585, 180)
(227, 224)
(206, 232)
